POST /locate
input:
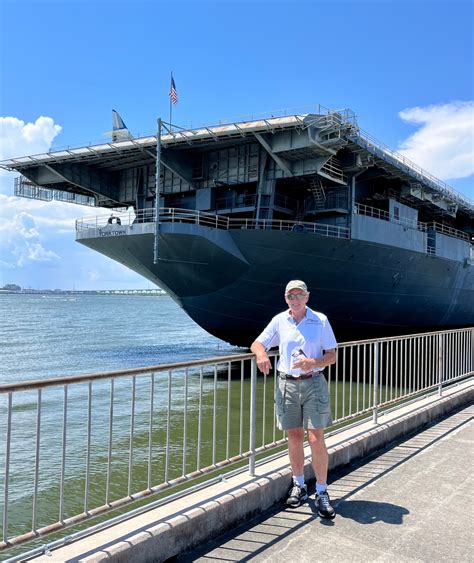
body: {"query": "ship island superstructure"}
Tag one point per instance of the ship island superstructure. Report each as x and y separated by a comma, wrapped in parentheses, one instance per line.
(385, 247)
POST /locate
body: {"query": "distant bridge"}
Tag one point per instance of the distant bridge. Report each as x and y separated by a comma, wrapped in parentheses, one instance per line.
(155, 291)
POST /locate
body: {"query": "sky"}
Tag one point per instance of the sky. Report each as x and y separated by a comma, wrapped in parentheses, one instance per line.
(405, 67)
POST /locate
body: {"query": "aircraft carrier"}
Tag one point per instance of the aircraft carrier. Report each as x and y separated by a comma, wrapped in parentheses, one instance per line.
(385, 247)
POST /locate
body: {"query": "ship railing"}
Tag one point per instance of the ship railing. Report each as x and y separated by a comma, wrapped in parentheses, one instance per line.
(28, 190)
(447, 230)
(121, 221)
(347, 119)
(403, 163)
(363, 209)
(293, 226)
(223, 222)
(83, 446)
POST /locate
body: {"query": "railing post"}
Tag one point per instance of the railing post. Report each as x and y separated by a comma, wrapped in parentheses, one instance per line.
(253, 415)
(376, 383)
(440, 365)
(6, 482)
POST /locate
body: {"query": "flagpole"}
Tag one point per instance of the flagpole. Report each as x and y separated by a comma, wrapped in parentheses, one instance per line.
(171, 106)
(157, 192)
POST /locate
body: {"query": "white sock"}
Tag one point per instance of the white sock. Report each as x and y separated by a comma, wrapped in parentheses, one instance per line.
(321, 488)
(298, 480)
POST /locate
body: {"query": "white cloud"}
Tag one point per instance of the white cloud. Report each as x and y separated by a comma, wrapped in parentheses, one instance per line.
(21, 240)
(36, 253)
(444, 143)
(18, 138)
(50, 214)
(37, 238)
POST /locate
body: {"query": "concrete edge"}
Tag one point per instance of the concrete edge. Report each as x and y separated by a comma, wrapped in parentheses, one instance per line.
(173, 536)
(382, 435)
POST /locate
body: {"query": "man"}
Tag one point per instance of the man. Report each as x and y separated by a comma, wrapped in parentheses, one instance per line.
(307, 345)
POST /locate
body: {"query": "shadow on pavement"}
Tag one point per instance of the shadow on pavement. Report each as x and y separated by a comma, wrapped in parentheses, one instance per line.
(369, 512)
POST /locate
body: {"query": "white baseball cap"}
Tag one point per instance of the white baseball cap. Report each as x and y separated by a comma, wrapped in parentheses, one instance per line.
(296, 284)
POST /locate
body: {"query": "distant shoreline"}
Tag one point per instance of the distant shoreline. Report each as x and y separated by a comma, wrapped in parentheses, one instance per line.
(153, 292)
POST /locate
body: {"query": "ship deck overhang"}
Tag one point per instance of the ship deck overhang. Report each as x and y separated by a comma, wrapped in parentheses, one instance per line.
(87, 170)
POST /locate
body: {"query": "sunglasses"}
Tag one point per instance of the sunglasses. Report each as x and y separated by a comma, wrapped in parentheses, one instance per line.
(292, 296)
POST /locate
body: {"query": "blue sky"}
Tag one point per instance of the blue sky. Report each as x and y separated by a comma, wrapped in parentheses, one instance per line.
(404, 67)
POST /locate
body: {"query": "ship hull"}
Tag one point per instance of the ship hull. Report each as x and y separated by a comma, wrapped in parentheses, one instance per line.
(231, 282)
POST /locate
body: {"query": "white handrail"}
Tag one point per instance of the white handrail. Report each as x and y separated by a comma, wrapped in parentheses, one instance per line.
(121, 221)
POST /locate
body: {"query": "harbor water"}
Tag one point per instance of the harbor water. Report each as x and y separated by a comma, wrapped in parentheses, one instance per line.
(48, 336)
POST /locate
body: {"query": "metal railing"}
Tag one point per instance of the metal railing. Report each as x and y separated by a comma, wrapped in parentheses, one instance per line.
(397, 159)
(347, 120)
(447, 230)
(334, 169)
(174, 215)
(80, 446)
(362, 209)
(26, 189)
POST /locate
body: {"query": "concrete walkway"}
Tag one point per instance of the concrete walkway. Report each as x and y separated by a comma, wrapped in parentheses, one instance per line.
(414, 502)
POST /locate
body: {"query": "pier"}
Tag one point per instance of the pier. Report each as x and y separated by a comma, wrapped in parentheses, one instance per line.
(383, 391)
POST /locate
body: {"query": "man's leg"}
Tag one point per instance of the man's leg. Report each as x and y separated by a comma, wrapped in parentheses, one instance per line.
(296, 450)
(319, 455)
(298, 492)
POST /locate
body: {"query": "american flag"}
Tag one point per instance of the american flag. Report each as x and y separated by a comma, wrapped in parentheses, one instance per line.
(173, 93)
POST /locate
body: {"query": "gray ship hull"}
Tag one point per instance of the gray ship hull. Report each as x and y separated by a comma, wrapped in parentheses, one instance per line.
(231, 282)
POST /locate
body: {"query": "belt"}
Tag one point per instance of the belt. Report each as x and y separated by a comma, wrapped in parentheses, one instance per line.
(297, 377)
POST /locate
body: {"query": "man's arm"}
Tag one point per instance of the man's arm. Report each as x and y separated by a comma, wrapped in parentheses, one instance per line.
(263, 361)
(329, 358)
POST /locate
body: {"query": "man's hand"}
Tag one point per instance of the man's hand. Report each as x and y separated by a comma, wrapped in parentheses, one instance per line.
(263, 362)
(307, 364)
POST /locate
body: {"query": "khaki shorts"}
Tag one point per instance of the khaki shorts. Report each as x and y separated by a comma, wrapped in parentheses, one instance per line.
(303, 403)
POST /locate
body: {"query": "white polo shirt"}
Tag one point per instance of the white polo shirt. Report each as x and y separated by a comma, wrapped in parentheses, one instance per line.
(313, 334)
